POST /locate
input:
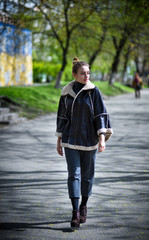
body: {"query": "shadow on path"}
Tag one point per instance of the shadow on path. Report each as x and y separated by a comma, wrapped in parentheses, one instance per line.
(42, 225)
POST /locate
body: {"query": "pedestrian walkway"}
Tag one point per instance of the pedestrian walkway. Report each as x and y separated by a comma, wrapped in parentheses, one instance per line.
(34, 202)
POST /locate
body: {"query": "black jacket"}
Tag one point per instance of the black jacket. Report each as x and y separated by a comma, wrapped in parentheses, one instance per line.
(82, 117)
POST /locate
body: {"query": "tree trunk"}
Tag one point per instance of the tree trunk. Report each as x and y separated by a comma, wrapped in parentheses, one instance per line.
(143, 67)
(137, 64)
(116, 60)
(96, 52)
(126, 63)
(93, 57)
(102, 76)
(64, 63)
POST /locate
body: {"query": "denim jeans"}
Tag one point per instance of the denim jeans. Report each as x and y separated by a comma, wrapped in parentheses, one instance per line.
(81, 168)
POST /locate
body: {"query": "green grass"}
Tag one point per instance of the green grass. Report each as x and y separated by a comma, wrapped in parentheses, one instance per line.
(35, 100)
(113, 90)
(38, 100)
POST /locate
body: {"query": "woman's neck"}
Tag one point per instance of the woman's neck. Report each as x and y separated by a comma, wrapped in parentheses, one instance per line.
(79, 83)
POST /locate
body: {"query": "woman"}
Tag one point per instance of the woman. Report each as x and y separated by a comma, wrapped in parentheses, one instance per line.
(137, 85)
(83, 126)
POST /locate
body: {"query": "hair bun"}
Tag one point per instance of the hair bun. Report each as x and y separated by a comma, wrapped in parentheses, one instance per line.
(75, 59)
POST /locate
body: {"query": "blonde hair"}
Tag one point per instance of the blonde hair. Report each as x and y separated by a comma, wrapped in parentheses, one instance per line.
(78, 64)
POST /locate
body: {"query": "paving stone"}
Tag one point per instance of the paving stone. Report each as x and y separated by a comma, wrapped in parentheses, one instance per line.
(4, 110)
(34, 200)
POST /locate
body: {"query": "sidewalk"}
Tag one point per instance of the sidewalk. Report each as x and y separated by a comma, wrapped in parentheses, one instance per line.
(34, 202)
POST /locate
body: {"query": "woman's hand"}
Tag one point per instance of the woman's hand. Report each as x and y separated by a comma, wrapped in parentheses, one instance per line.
(101, 144)
(59, 147)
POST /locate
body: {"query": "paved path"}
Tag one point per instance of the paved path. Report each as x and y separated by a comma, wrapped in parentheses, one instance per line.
(33, 193)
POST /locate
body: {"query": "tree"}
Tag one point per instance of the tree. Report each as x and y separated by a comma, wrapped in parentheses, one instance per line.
(89, 38)
(126, 59)
(131, 15)
(94, 29)
(63, 17)
(141, 52)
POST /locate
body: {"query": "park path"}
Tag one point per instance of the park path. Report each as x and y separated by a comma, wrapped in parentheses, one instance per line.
(34, 202)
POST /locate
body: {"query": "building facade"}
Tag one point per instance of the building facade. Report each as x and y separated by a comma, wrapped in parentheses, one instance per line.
(15, 55)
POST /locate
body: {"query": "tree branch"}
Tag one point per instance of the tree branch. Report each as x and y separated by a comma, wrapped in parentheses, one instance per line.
(81, 21)
(115, 42)
(66, 7)
(50, 22)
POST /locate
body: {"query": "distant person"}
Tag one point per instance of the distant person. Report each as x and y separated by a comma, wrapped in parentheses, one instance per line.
(83, 126)
(137, 85)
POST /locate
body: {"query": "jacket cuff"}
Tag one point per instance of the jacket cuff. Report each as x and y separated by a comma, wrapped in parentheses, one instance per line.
(103, 133)
(107, 131)
(101, 130)
(57, 134)
(108, 134)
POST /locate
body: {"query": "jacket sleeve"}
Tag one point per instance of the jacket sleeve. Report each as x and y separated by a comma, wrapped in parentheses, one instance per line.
(101, 118)
(61, 118)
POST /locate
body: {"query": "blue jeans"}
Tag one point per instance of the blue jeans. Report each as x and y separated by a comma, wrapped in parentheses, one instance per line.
(81, 168)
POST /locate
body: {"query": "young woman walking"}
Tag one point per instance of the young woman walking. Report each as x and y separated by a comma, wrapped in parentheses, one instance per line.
(83, 127)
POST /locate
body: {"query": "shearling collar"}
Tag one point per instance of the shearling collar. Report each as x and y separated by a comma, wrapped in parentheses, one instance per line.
(68, 89)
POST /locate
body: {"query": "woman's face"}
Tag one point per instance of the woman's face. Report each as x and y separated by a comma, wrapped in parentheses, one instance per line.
(82, 75)
(136, 75)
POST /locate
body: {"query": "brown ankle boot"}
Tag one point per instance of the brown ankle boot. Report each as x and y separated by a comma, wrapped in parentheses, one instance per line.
(75, 222)
(83, 214)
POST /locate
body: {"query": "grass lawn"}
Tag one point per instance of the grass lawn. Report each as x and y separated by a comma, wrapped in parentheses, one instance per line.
(38, 100)
(113, 90)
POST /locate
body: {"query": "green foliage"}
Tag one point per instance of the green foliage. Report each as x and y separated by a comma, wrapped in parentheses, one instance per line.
(48, 69)
(63, 29)
(102, 64)
(67, 75)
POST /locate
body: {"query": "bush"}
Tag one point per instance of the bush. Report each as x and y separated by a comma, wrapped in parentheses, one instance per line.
(47, 70)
